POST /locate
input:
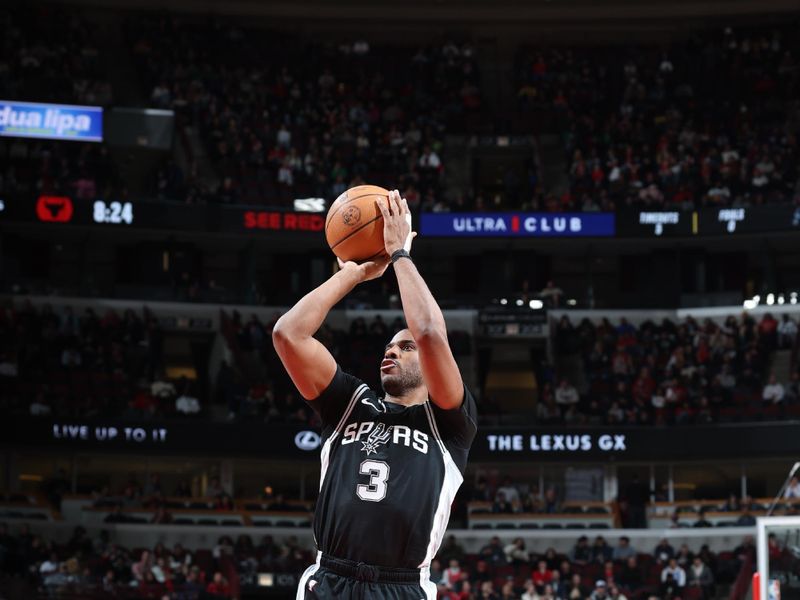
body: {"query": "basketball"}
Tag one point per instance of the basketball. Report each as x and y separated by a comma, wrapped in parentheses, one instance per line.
(354, 225)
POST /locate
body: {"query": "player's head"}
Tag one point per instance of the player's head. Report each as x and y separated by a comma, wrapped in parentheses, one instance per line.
(400, 370)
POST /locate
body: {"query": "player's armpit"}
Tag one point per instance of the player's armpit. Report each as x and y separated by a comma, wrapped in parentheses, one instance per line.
(458, 426)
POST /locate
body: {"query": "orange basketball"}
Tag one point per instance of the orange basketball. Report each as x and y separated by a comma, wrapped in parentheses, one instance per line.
(354, 226)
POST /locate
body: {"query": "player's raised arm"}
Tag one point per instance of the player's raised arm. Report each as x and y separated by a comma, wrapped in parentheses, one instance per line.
(423, 315)
(307, 361)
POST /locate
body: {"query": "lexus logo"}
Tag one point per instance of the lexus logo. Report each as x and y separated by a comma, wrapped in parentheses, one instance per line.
(307, 440)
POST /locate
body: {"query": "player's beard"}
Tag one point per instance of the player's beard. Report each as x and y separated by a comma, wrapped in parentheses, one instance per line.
(400, 384)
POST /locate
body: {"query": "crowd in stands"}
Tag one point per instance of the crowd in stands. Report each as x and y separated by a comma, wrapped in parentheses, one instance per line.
(500, 570)
(50, 54)
(59, 363)
(669, 373)
(313, 119)
(98, 567)
(33, 168)
(703, 122)
(69, 363)
(596, 571)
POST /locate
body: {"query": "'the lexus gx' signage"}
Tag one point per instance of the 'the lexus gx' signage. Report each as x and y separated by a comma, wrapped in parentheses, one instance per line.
(586, 442)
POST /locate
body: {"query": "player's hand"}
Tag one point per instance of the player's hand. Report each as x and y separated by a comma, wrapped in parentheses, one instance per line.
(397, 232)
(370, 269)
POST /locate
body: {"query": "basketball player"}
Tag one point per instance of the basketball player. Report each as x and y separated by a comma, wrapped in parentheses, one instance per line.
(391, 463)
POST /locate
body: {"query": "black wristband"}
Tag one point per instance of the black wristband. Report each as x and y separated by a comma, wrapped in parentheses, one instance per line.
(398, 254)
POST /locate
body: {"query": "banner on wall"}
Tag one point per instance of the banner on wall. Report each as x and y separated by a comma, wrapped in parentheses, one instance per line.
(51, 121)
(541, 444)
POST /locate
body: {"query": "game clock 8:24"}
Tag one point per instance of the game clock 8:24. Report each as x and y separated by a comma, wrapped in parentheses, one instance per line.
(117, 213)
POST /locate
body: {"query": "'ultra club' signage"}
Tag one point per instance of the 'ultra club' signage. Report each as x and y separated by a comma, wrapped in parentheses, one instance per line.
(518, 224)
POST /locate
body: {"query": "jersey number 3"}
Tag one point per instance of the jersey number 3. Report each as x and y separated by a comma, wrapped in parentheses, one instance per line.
(378, 472)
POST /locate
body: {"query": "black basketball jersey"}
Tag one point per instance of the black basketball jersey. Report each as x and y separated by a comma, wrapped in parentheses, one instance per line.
(389, 474)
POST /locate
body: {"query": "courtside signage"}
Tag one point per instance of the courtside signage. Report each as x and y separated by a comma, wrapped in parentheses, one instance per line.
(518, 224)
(51, 121)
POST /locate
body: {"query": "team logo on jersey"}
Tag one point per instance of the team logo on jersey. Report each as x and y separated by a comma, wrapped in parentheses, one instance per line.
(377, 438)
(373, 435)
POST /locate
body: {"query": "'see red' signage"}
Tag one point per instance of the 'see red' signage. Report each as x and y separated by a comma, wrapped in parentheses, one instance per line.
(283, 221)
(54, 209)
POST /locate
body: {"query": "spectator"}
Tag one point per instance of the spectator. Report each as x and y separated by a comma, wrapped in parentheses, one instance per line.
(541, 576)
(746, 519)
(576, 590)
(773, 391)
(787, 331)
(793, 489)
(732, 504)
(601, 551)
(509, 490)
(663, 552)
(700, 576)
(581, 553)
(187, 405)
(452, 575)
(614, 593)
(631, 574)
(493, 553)
(702, 521)
(487, 591)
(675, 572)
(624, 550)
(219, 586)
(566, 394)
(551, 295)
(600, 591)
(501, 505)
(142, 567)
(214, 488)
(451, 549)
(515, 552)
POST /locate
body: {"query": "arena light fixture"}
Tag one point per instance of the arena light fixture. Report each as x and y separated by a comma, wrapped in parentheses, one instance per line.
(536, 304)
(520, 302)
(770, 299)
(503, 301)
(750, 304)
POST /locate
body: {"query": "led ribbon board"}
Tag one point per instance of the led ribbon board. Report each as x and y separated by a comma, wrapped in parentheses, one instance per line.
(51, 121)
(518, 224)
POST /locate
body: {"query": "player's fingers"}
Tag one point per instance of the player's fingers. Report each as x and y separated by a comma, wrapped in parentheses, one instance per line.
(398, 203)
(384, 207)
(405, 206)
